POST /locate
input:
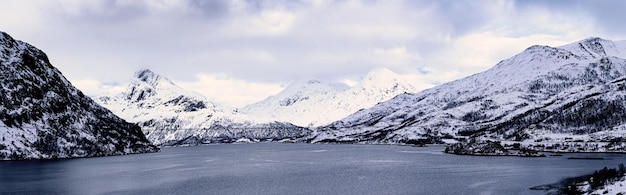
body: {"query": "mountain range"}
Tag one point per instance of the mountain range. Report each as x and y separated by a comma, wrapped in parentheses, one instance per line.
(313, 103)
(571, 93)
(171, 115)
(575, 91)
(543, 94)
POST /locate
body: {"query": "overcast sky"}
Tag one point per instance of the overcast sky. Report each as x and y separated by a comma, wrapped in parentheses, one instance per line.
(237, 52)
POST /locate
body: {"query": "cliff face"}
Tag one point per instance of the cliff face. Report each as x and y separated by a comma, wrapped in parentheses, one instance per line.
(42, 116)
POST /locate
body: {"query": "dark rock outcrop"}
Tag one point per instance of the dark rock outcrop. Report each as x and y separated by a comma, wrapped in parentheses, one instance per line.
(487, 148)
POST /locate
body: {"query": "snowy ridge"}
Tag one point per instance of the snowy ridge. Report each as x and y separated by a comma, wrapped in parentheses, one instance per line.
(314, 103)
(543, 93)
(171, 115)
(42, 116)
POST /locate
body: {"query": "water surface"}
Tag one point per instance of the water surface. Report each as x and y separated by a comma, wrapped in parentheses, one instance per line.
(294, 169)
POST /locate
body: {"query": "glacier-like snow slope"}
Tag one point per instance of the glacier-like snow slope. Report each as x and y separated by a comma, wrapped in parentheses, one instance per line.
(543, 93)
(42, 116)
(171, 115)
(313, 103)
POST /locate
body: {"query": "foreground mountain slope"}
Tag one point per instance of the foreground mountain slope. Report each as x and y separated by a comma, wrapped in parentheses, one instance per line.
(543, 93)
(171, 115)
(42, 116)
(315, 103)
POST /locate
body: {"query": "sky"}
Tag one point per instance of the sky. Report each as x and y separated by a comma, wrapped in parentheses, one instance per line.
(237, 52)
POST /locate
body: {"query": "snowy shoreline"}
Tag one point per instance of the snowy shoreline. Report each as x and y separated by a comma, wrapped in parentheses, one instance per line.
(603, 181)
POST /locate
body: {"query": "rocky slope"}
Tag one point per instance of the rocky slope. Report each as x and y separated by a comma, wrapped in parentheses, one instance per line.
(544, 94)
(171, 115)
(313, 103)
(42, 116)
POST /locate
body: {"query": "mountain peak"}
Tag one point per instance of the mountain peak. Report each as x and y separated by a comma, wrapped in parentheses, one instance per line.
(9, 43)
(597, 45)
(144, 74)
(147, 76)
(5, 36)
(313, 81)
(146, 84)
(594, 40)
(380, 73)
(385, 78)
(594, 47)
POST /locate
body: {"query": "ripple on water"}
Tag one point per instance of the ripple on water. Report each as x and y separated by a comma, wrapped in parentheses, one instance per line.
(388, 161)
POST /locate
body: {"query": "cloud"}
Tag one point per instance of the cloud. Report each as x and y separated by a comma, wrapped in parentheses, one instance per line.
(21, 19)
(226, 90)
(88, 86)
(266, 23)
(94, 88)
(272, 42)
(513, 28)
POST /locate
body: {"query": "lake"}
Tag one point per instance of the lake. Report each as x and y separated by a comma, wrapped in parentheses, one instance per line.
(274, 168)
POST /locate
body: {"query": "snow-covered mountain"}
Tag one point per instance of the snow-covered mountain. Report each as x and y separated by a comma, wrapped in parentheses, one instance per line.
(576, 91)
(171, 115)
(42, 116)
(149, 97)
(314, 103)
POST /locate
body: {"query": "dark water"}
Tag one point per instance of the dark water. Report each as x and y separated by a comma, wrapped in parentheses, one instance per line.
(294, 169)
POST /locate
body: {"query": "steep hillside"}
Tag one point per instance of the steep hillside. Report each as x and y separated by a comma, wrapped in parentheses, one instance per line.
(576, 91)
(170, 115)
(313, 103)
(42, 116)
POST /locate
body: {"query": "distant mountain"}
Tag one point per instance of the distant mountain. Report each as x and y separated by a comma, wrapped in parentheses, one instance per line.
(150, 98)
(544, 94)
(171, 115)
(314, 103)
(42, 116)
